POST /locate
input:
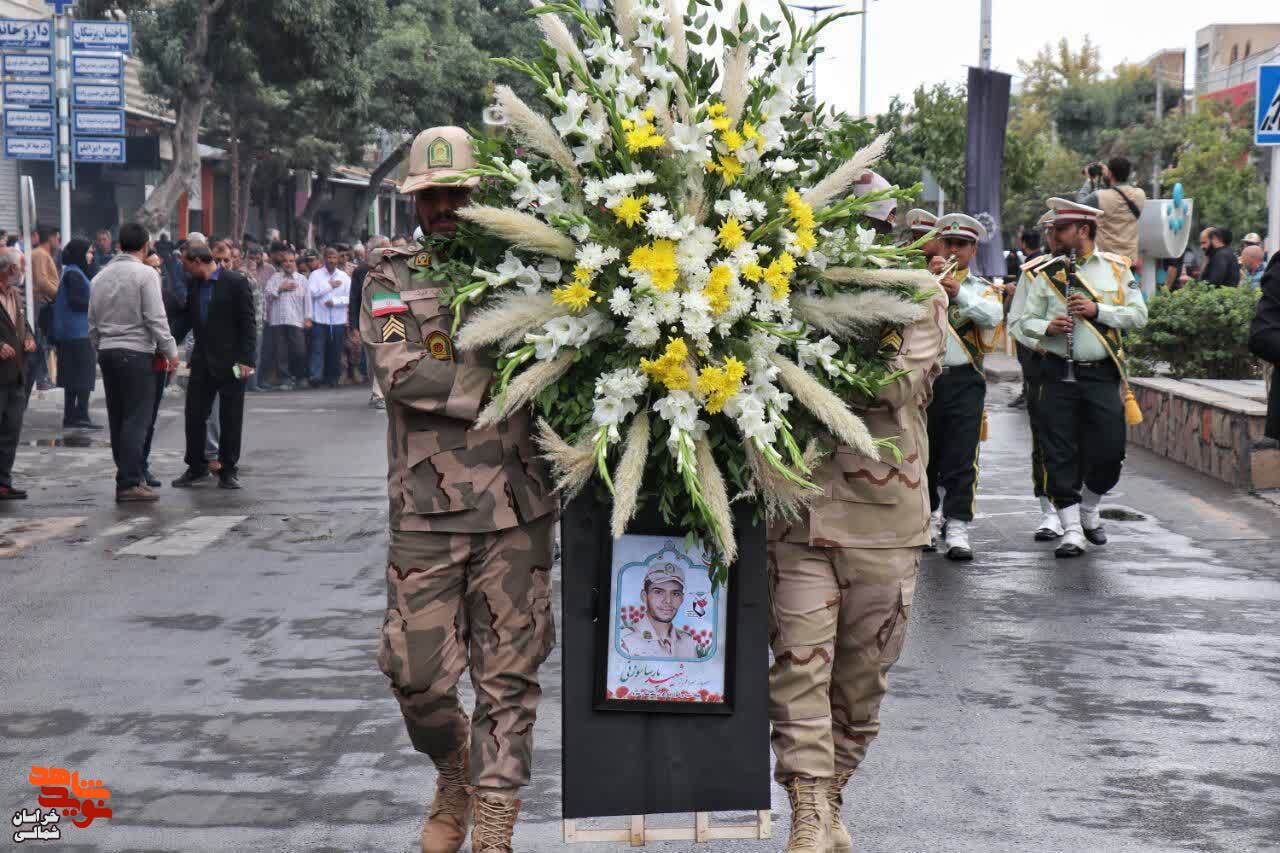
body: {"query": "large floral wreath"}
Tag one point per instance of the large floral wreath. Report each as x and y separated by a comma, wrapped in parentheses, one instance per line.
(676, 242)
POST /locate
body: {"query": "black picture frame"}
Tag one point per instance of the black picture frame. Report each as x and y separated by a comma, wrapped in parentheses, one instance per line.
(651, 525)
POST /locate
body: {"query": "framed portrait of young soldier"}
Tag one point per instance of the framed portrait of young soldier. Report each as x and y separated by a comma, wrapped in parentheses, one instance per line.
(665, 643)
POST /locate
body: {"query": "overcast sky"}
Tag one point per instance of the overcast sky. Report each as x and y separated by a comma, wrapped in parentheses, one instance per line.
(927, 41)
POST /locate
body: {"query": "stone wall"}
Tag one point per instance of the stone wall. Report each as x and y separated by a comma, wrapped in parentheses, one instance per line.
(1208, 428)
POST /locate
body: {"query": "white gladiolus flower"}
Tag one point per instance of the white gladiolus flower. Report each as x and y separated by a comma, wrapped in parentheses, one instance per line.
(679, 409)
(594, 131)
(822, 352)
(866, 236)
(630, 87)
(657, 72)
(550, 269)
(624, 383)
(575, 104)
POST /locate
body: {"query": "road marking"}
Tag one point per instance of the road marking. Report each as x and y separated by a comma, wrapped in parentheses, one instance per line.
(17, 534)
(190, 537)
(127, 526)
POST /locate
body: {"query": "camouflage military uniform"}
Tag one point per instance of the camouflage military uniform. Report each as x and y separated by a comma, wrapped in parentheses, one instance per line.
(842, 578)
(471, 517)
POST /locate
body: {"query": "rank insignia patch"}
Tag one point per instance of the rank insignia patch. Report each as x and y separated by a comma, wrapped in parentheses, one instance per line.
(393, 330)
(422, 260)
(440, 347)
(891, 341)
(1060, 276)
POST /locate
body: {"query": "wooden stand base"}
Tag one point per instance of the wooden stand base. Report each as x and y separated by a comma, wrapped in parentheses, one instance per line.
(637, 835)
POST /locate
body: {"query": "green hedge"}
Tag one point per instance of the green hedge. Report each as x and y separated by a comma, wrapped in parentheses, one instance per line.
(1200, 331)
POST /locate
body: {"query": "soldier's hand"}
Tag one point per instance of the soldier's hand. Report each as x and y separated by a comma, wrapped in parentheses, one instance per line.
(950, 285)
(1082, 306)
(937, 264)
(1059, 326)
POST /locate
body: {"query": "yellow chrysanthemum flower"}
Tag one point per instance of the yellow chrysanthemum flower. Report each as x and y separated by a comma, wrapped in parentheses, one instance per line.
(658, 259)
(731, 234)
(753, 272)
(583, 275)
(641, 137)
(717, 289)
(730, 170)
(718, 385)
(778, 276)
(630, 210)
(576, 296)
(786, 263)
(731, 139)
(716, 110)
(801, 213)
(749, 131)
(806, 240)
(721, 125)
(669, 368)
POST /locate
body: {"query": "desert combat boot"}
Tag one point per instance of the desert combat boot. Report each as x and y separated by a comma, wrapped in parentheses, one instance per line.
(810, 816)
(496, 813)
(450, 813)
(838, 838)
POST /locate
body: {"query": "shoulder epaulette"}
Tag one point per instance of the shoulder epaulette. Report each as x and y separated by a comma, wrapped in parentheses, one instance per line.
(1116, 259)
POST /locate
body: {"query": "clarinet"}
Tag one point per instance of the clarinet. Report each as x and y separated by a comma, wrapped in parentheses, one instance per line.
(1071, 337)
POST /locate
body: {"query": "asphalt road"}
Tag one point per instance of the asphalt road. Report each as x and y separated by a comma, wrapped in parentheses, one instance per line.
(211, 660)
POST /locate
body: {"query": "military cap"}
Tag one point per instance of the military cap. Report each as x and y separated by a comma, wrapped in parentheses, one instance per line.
(441, 152)
(663, 573)
(885, 210)
(1045, 221)
(920, 221)
(1065, 211)
(961, 226)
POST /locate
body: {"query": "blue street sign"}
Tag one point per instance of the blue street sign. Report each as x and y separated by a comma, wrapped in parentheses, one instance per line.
(60, 6)
(28, 120)
(97, 94)
(31, 94)
(87, 150)
(97, 122)
(1266, 130)
(102, 35)
(28, 65)
(107, 65)
(29, 147)
(15, 32)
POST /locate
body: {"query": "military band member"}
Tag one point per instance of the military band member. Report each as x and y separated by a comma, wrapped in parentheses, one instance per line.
(471, 516)
(1076, 308)
(959, 395)
(841, 583)
(919, 223)
(1030, 354)
(654, 636)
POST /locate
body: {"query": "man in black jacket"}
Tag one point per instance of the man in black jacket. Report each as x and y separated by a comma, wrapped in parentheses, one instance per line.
(1264, 338)
(219, 310)
(1220, 265)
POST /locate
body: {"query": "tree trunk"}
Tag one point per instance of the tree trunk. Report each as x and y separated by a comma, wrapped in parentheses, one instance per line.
(246, 196)
(303, 222)
(192, 99)
(365, 198)
(237, 200)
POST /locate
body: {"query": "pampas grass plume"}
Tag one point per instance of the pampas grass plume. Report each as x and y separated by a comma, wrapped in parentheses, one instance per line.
(571, 465)
(826, 407)
(675, 30)
(717, 498)
(845, 314)
(522, 230)
(918, 279)
(529, 384)
(630, 474)
(534, 130)
(837, 184)
(508, 320)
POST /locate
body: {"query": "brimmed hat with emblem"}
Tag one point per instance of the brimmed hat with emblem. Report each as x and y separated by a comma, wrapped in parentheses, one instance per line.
(441, 152)
(884, 211)
(1046, 220)
(1072, 211)
(920, 221)
(664, 573)
(960, 226)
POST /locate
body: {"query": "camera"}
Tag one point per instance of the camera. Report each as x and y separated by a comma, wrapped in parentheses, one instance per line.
(1095, 171)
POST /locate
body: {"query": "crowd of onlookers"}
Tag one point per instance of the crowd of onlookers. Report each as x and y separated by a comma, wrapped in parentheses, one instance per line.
(253, 315)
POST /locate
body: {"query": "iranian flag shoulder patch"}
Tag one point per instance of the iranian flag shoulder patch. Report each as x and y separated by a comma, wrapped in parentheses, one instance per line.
(383, 304)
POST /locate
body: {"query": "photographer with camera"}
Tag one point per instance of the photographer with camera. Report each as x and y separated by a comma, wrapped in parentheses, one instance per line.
(1107, 188)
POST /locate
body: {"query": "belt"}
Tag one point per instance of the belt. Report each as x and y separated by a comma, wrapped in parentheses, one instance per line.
(959, 368)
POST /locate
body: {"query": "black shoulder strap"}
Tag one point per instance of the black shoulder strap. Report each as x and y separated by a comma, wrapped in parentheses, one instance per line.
(1133, 208)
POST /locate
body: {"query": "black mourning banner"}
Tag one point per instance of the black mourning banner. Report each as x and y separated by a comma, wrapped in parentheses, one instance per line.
(984, 161)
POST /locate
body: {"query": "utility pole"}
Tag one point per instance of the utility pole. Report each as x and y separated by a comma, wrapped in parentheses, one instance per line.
(1273, 216)
(984, 37)
(62, 76)
(862, 73)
